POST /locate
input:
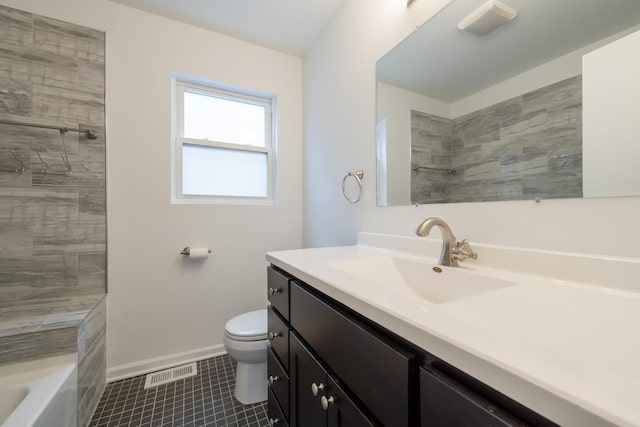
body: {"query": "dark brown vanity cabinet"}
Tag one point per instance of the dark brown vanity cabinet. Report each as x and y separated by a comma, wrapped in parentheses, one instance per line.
(303, 391)
(278, 349)
(444, 402)
(329, 366)
(278, 291)
(278, 378)
(316, 398)
(276, 416)
(451, 397)
(376, 370)
(278, 336)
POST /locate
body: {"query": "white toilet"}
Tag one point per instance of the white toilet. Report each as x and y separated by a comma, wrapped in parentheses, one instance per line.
(245, 338)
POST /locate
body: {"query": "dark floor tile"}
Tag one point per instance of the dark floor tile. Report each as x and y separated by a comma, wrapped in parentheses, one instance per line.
(203, 400)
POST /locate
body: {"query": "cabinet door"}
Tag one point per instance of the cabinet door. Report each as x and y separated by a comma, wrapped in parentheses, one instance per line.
(341, 410)
(445, 403)
(304, 371)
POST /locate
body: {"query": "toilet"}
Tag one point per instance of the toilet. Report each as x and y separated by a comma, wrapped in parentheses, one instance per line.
(245, 339)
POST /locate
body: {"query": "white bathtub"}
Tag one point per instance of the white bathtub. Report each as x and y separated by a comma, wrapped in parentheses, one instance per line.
(40, 392)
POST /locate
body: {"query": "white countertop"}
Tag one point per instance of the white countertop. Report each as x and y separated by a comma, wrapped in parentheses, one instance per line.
(568, 350)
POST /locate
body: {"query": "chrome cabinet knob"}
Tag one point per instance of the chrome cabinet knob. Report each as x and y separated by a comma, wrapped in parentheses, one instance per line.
(315, 388)
(273, 335)
(325, 402)
(274, 421)
(273, 291)
(273, 378)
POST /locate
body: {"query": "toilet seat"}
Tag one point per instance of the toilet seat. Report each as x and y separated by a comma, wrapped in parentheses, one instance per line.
(251, 326)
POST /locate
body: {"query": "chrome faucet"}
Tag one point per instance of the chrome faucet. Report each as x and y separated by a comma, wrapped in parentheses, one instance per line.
(452, 251)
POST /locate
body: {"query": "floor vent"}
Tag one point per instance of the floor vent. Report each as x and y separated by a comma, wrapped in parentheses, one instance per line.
(169, 375)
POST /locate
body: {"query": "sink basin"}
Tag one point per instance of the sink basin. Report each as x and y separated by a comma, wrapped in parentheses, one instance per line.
(435, 284)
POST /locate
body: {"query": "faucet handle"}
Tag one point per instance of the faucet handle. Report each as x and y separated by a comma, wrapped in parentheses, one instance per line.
(463, 251)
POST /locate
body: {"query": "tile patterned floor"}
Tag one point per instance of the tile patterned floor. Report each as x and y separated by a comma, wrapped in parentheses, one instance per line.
(202, 400)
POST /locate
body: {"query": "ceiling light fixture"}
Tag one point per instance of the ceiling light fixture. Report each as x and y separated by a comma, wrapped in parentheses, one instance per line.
(487, 18)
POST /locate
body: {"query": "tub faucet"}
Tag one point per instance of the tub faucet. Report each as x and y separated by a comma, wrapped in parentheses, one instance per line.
(452, 251)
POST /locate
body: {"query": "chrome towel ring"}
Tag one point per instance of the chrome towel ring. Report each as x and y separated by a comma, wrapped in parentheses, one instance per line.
(358, 175)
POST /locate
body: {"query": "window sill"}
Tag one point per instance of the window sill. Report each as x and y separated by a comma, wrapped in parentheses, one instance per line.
(239, 201)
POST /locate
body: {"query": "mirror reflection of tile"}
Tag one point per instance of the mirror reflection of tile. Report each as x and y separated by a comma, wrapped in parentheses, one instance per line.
(522, 148)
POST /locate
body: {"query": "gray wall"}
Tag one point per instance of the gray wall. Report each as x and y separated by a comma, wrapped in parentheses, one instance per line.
(52, 228)
(526, 147)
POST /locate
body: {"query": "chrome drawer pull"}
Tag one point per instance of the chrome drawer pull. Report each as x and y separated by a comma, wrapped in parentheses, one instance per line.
(273, 291)
(273, 335)
(273, 378)
(326, 402)
(315, 388)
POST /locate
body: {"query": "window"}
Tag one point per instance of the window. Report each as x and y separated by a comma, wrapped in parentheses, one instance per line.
(224, 145)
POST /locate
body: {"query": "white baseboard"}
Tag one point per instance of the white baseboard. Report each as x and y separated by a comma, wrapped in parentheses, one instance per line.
(158, 363)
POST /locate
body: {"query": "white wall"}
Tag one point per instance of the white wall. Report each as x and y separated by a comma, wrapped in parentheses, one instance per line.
(340, 114)
(162, 308)
(561, 68)
(339, 90)
(611, 92)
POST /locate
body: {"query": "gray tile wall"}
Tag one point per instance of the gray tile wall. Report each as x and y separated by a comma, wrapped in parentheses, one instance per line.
(526, 147)
(39, 344)
(52, 227)
(92, 361)
(431, 156)
(61, 326)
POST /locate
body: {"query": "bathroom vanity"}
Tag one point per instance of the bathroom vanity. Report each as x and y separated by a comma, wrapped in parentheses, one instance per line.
(330, 349)
(344, 370)
(350, 345)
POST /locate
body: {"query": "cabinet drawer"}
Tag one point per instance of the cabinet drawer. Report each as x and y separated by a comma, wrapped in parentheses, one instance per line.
(278, 291)
(444, 402)
(276, 418)
(278, 335)
(278, 382)
(375, 370)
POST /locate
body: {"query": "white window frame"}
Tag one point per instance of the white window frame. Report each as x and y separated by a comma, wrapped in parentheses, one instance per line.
(268, 101)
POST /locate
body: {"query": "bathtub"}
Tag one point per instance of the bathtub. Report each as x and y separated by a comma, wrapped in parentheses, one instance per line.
(39, 393)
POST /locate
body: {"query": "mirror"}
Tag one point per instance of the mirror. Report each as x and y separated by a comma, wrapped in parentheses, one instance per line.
(541, 107)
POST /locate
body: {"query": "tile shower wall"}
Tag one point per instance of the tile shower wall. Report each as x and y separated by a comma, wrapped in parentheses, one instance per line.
(52, 227)
(92, 361)
(72, 325)
(431, 158)
(522, 148)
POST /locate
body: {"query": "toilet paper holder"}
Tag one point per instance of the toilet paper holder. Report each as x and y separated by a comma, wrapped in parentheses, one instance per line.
(187, 251)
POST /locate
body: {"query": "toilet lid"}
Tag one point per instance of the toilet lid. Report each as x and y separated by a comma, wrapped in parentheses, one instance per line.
(251, 326)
